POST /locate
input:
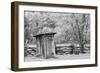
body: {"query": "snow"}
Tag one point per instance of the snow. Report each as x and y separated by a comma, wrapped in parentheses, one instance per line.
(58, 57)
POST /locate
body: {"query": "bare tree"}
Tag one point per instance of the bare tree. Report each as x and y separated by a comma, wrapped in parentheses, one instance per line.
(80, 29)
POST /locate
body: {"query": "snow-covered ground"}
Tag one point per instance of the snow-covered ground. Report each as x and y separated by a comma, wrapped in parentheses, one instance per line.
(58, 57)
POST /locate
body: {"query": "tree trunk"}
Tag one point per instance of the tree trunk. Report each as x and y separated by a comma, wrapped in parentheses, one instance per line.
(82, 48)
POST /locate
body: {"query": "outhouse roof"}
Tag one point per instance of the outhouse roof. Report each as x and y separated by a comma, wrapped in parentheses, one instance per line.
(41, 34)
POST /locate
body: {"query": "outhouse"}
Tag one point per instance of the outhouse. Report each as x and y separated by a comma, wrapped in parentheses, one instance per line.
(45, 45)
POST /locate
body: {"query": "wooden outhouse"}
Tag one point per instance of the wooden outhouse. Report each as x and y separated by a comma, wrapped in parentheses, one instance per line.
(45, 45)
